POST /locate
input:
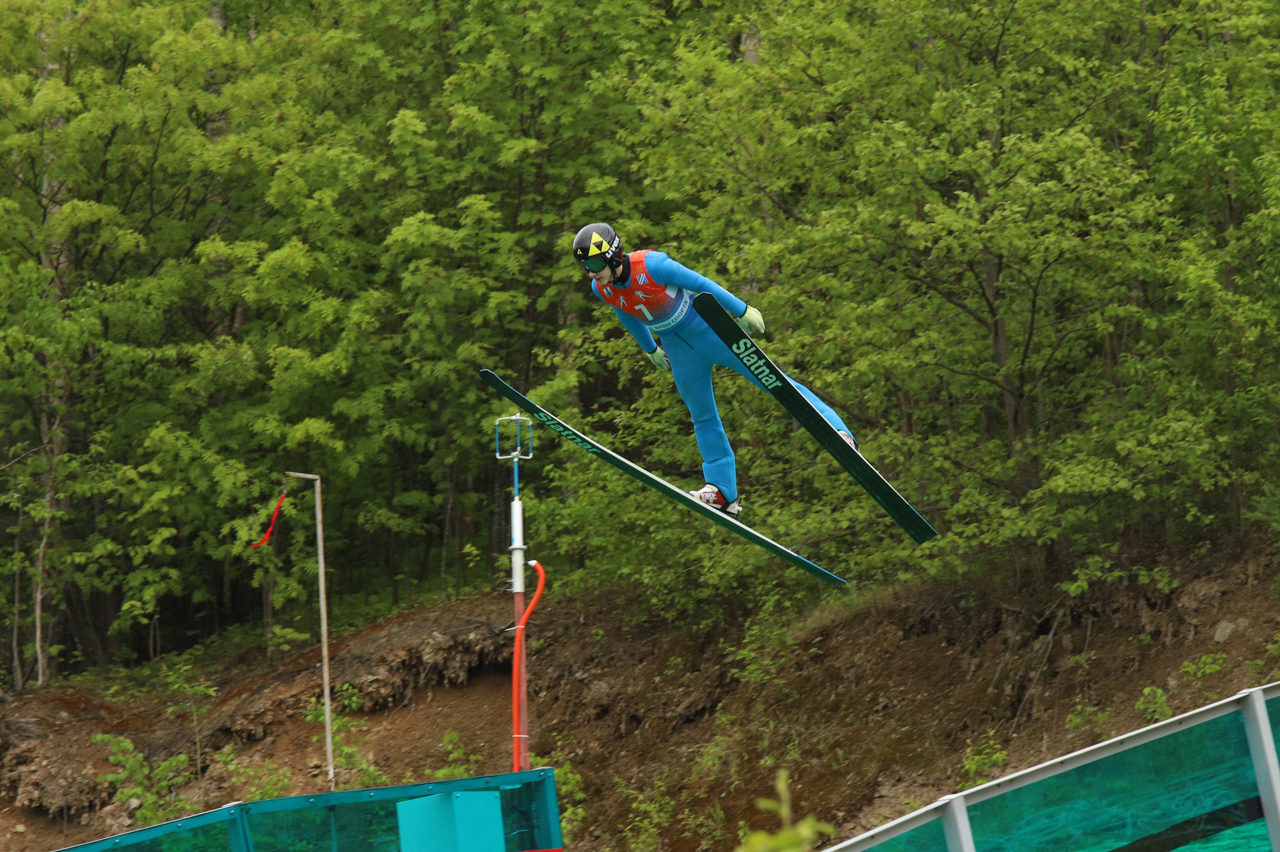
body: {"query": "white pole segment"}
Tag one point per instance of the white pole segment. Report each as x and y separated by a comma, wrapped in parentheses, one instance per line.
(324, 626)
(955, 825)
(517, 547)
(1262, 748)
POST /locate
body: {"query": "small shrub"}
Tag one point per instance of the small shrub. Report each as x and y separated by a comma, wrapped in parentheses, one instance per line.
(155, 787)
(458, 764)
(1265, 670)
(650, 813)
(254, 783)
(195, 698)
(1081, 660)
(570, 789)
(982, 759)
(359, 771)
(1085, 715)
(1154, 705)
(1194, 672)
(284, 639)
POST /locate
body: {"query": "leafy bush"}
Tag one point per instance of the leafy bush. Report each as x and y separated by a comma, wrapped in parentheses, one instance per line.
(981, 759)
(154, 787)
(255, 783)
(1154, 704)
(357, 770)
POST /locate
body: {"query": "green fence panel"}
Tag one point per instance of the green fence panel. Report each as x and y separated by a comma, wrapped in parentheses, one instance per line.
(1164, 794)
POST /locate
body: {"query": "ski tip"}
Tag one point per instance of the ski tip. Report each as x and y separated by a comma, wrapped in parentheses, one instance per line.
(923, 535)
(816, 570)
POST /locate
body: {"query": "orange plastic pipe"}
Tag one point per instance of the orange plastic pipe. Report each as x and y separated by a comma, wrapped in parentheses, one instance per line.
(519, 725)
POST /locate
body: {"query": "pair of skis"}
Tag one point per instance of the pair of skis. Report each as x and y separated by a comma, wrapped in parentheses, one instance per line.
(745, 349)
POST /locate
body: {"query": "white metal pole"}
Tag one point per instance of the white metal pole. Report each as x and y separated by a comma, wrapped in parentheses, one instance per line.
(324, 625)
(517, 587)
(955, 825)
(519, 671)
(517, 550)
(1266, 767)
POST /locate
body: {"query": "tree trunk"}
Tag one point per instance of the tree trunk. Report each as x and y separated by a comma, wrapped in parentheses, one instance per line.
(42, 663)
(444, 545)
(17, 607)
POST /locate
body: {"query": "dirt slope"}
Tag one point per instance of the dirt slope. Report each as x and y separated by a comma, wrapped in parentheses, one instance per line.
(871, 705)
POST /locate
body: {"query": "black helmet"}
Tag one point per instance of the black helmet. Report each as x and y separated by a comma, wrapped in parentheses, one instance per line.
(596, 246)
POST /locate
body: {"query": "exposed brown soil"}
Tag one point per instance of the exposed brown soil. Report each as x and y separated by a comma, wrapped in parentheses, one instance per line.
(871, 708)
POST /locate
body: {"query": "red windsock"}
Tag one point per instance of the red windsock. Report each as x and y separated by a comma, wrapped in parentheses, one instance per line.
(274, 515)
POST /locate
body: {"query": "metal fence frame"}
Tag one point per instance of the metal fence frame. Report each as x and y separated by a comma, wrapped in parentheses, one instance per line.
(953, 810)
(238, 814)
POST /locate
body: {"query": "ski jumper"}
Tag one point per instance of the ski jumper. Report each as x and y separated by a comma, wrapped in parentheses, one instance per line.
(657, 298)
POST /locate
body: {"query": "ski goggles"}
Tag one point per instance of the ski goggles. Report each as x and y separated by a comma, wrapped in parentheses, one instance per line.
(594, 264)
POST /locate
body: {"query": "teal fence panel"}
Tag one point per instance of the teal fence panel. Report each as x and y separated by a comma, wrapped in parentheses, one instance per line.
(1273, 714)
(1184, 786)
(1251, 837)
(1190, 784)
(354, 821)
(209, 838)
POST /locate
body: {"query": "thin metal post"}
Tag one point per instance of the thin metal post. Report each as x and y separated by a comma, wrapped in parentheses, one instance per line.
(955, 825)
(523, 432)
(1262, 748)
(324, 625)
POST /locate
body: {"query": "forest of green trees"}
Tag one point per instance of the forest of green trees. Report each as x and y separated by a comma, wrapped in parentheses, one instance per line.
(1027, 250)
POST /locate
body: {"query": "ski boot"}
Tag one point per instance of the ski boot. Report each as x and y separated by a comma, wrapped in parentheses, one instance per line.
(712, 497)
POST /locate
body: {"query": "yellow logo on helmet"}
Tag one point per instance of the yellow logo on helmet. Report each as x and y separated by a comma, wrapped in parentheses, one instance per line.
(599, 245)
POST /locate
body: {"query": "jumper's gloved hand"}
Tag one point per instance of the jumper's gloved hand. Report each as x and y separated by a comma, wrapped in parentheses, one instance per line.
(751, 321)
(659, 358)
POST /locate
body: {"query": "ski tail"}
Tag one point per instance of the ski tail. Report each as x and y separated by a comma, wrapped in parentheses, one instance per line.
(636, 472)
(753, 358)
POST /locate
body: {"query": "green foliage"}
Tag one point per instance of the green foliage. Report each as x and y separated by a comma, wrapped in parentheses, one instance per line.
(283, 639)
(1081, 661)
(254, 783)
(194, 697)
(1265, 670)
(570, 791)
(1153, 705)
(458, 764)
(651, 812)
(766, 646)
(1194, 672)
(1085, 715)
(802, 836)
(1033, 266)
(980, 760)
(1097, 567)
(155, 787)
(356, 770)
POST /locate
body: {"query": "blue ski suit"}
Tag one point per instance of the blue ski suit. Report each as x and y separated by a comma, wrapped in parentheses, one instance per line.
(657, 298)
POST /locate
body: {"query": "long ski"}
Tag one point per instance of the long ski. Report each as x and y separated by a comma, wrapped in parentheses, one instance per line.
(658, 484)
(746, 351)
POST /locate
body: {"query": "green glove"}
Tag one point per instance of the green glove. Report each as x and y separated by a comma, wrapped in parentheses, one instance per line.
(751, 321)
(659, 358)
